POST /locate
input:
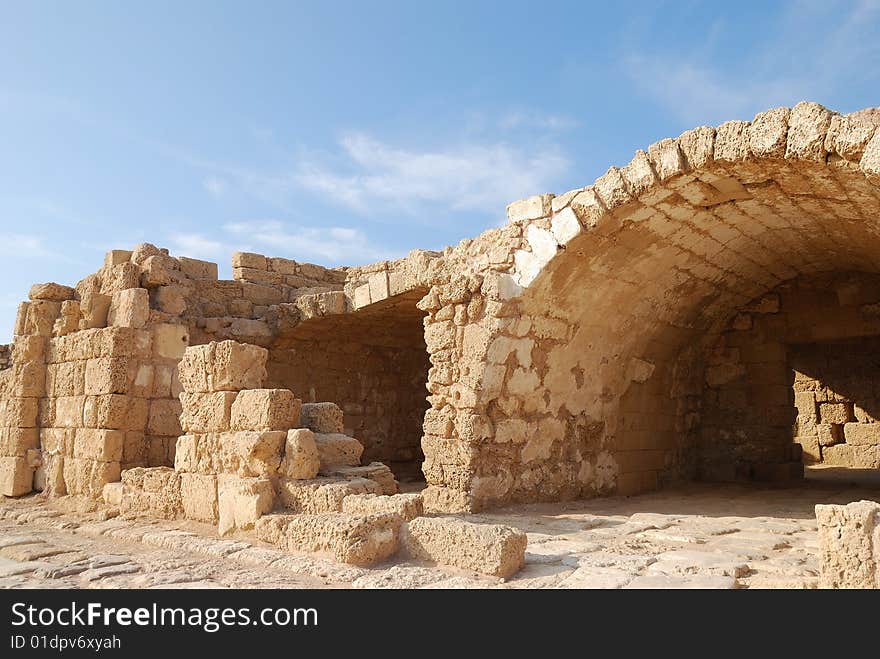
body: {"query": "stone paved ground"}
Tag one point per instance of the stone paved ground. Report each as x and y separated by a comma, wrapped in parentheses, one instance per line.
(699, 536)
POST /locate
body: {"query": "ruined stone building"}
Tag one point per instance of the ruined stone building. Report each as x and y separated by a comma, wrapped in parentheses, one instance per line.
(709, 311)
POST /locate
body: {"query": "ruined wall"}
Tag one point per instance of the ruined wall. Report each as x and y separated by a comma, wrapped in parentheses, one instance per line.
(5, 356)
(560, 352)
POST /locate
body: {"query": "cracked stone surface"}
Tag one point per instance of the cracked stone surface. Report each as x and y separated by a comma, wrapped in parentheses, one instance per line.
(699, 536)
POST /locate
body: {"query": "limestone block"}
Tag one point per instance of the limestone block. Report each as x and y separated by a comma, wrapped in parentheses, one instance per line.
(223, 366)
(405, 506)
(265, 409)
(247, 454)
(158, 270)
(116, 257)
(847, 557)
(28, 348)
(197, 269)
(301, 459)
(355, 539)
(487, 548)
(129, 308)
(66, 379)
(164, 417)
(198, 493)
(69, 411)
(40, 317)
(142, 252)
(112, 494)
(57, 440)
(170, 341)
(152, 491)
(16, 476)
(16, 442)
(116, 411)
(378, 283)
(859, 434)
(361, 296)
(98, 444)
(206, 412)
(27, 379)
(242, 501)
(565, 226)
(51, 291)
(107, 375)
(49, 476)
(530, 208)
(18, 412)
(375, 471)
(337, 449)
(88, 477)
(115, 342)
(68, 320)
(321, 417)
(835, 412)
(321, 495)
(134, 449)
(808, 124)
(870, 162)
(119, 278)
(249, 260)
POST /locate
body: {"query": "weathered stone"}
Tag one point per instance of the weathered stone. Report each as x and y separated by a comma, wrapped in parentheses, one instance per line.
(265, 409)
(321, 417)
(846, 548)
(301, 458)
(406, 506)
(223, 366)
(488, 548)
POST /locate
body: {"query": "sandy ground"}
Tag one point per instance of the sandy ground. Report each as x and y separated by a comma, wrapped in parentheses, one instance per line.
(695, 536)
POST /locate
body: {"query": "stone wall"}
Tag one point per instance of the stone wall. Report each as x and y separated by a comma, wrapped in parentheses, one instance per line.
(373, 364)
(5, 356)
(797, 362)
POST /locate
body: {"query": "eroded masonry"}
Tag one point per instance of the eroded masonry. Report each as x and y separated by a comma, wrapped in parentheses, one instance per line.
(709, 311)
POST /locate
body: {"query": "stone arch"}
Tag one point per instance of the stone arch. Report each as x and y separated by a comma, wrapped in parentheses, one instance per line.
(599, 305)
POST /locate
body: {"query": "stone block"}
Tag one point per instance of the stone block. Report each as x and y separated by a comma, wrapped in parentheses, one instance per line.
(170, 341)
(164, 417)
(355, 539)
(249, 260)
(530, 208)
(405, 506)
(88, 477)
(18, 412)
(321, 417)
(835, 413)
(152, 491)
(846, 552)
(301, 459)
(107, 375)
(69, 411)
(491, 549)
(321, 495)
(16, 442)
(116, 412)
(129, 308)
(40, 317)
(94, 309)
(66, 379)
(862, 434)
(206, 412)
(98, 444)
(265, 409)
(246, 454)
(116, 257)
(112, 494)
(242, 501)
(223, 366)
(16, 476)
(197, 269)
(336, 449)
(51, 291)
(198, 493)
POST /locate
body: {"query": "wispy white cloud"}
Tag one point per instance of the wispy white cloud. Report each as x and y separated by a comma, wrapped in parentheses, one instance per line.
(816, 49)
(197, 246)
(215, 186)
(374, 175)
(537, 120)
(338, 245)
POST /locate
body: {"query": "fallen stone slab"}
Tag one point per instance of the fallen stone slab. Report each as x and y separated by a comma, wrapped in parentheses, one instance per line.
(356, 539)
(405, 506)
(491, 549)
(700, 562)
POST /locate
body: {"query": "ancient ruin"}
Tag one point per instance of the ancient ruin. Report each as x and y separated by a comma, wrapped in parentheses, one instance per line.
(707, 312)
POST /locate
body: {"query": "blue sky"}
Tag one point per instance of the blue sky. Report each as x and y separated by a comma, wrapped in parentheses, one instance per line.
(347, 132)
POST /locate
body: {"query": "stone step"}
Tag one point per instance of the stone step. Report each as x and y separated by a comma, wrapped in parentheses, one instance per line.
(406, 506)
(355, 539)
(322, 494)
